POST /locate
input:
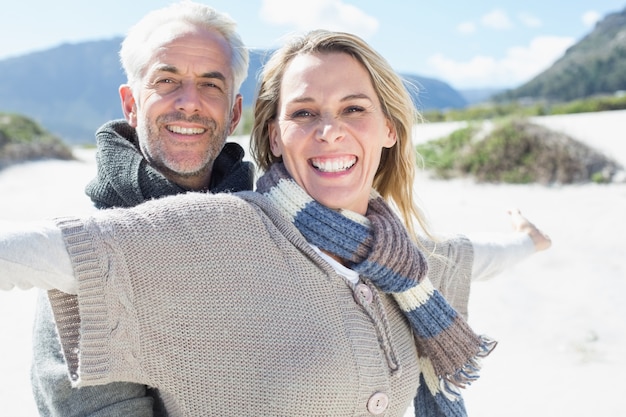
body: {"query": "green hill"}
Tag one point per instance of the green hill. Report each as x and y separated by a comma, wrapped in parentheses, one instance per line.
(596, 65)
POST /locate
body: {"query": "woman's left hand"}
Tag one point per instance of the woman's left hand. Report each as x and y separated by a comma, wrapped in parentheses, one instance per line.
(521, 224)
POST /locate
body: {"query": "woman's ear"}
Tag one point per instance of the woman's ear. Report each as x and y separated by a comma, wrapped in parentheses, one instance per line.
(273, 136)
(129, 106)
(392, 136)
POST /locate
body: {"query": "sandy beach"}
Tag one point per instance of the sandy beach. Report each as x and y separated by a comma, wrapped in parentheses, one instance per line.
(559, 316)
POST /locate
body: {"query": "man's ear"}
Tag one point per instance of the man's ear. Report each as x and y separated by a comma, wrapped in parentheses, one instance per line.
(129, 106)
(236, 113)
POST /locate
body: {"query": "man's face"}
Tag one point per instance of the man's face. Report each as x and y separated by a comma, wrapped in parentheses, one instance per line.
(185, 108)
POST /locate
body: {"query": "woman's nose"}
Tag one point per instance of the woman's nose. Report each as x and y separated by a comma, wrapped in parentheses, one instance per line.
(330, 129)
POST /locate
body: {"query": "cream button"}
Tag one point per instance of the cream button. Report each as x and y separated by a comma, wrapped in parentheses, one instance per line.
(364, 293)
(378, 402)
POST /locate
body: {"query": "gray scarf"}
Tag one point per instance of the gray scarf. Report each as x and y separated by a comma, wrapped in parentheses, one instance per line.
(125, 178)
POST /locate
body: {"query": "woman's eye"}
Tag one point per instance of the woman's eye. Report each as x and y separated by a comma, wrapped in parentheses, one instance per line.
(354, 109)
(301, 114)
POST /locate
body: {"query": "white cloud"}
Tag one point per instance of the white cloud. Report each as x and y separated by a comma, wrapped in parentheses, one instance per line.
(529, 20)
(320, 14)
(590, 18)
(497, 19)
(520, 64)
(466, 28)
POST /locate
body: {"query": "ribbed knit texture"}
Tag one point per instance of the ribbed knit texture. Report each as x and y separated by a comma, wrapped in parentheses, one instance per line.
(378, 247)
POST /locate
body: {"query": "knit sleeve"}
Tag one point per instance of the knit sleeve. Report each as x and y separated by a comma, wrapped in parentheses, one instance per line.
(495, 253)
(99, 338)
(450, 269)
(88, 325)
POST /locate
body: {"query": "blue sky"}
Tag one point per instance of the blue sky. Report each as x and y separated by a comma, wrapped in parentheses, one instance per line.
(467, 44)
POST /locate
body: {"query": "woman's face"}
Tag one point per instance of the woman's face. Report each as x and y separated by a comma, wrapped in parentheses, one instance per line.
(330, 129)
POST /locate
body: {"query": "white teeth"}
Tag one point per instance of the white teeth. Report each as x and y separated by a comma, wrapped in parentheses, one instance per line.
(185, 130)
(334, 165)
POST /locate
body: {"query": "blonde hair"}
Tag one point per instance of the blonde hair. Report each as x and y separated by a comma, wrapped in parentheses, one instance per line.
(396, 172)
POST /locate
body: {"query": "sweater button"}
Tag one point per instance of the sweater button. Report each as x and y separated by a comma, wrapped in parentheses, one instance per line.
(377, 404)
(364, 293)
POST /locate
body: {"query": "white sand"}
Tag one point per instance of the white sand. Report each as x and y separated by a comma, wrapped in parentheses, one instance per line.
(559, 317)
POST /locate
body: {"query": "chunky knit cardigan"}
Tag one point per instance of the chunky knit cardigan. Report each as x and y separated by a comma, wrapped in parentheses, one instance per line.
(238, 340)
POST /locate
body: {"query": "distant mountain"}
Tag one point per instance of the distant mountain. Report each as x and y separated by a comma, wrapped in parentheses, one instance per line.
(72, 89)
(429, 93)
(479, 95)
(595, 65)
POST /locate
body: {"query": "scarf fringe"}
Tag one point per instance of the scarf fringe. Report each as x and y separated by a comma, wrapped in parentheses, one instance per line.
(451, 385)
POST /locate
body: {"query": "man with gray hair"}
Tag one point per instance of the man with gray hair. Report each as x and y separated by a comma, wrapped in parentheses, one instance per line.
(184, 66)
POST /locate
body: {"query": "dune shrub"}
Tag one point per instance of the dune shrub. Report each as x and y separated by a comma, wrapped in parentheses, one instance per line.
(516, 151)
(22, 139)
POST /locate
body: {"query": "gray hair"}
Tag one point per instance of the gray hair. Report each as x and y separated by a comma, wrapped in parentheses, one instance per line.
(141, 41)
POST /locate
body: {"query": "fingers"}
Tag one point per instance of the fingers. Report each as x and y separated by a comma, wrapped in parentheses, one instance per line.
(521, 224)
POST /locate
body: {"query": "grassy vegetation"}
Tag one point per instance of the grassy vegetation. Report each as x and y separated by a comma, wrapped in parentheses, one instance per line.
(515, 151)
(22, 139)
(520, 109)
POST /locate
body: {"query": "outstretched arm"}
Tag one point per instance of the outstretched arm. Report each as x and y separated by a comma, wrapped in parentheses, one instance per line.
(495, 253)
(34, 255)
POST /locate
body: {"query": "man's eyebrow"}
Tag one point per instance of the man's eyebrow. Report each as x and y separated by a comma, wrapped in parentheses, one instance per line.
(172, 69)
(214, 74)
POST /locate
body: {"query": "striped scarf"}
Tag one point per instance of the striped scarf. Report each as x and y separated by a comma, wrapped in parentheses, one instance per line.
(378, 247)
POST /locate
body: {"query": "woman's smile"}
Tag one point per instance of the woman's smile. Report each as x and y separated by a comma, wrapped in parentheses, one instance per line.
(332, 165)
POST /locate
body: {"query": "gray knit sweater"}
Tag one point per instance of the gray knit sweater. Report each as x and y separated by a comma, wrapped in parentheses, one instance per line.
(220, 303)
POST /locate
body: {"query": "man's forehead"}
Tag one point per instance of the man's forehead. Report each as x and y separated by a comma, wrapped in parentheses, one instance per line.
(186, 39)
(193, 53)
